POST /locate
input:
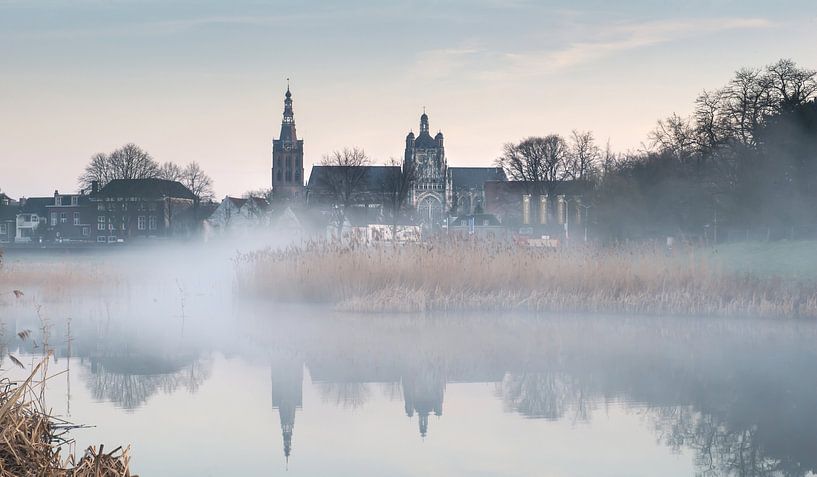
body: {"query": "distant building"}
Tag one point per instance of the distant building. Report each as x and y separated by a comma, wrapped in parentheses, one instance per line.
(70, 218)
(372, 192)
(539, 209)
(426, 155)
(466, 188)
(438, 190)
(129, 209)
(8, 218)
(239, 214)
(287, 157)
(32, 219)
(482, 226)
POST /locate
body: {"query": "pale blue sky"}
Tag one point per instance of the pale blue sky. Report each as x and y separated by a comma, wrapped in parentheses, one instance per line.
(204, 80)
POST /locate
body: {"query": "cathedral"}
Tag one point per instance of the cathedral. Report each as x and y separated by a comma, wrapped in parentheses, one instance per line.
(287, 157)
(440, 191)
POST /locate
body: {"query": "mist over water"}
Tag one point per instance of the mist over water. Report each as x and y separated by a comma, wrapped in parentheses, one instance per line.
(169, 358)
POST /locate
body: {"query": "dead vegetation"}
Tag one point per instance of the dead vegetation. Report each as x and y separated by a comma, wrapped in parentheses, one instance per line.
(31, 441)
(493, 276)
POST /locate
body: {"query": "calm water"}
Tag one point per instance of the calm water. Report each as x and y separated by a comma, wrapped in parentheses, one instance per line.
(200, 384)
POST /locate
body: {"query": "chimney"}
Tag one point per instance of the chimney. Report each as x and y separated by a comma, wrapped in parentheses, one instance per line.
(94, 187)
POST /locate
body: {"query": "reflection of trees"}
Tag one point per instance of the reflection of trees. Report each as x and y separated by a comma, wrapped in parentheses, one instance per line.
(720, 448)
(347, 394)
(546, 395)
(130, 381)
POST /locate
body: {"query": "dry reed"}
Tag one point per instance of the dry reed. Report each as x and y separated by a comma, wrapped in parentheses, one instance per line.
(31, 441)
(456, 276)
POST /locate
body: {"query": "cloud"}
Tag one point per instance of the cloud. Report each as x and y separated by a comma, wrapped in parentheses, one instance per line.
(624, 37)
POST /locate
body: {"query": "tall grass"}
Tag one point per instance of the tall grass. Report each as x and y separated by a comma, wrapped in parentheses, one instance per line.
(493, 276)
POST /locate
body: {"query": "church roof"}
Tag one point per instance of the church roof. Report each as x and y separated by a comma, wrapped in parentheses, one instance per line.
(474, 177)
(425, 141)
(375, 178)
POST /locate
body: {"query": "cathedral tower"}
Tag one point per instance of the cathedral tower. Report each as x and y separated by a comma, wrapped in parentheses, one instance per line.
(427, 156)
(287, 157)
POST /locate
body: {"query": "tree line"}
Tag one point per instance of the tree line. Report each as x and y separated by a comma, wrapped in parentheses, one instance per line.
(132, 162)
(744, 162)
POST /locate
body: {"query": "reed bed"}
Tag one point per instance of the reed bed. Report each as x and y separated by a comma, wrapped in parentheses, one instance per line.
(460, 276)
(31, 441)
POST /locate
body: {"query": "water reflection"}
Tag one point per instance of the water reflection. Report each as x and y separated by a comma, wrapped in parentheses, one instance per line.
(740, 395)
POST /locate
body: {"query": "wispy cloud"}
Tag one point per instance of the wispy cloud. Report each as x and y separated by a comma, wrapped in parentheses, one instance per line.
(624, 37)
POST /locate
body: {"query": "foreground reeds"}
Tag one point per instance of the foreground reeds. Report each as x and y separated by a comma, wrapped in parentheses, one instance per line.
(495, 276)
(31, 441)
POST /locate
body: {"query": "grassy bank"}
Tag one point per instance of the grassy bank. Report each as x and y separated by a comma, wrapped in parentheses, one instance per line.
(479, 276)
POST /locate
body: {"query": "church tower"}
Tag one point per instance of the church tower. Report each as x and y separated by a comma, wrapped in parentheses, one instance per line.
(287, 157)
(427, 156)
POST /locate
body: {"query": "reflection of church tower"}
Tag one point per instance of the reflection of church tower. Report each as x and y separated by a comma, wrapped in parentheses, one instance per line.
(423, 394)
(287, 157)
(287, 376)
(427, 156)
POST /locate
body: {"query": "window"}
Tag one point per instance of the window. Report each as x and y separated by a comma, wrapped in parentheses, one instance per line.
(86, 231)
(100, 219)
(3, 229)
(526, 209)
(100, 226)
(76, 218)
(123, 226)
(100, 206)
(74, 200)
(110, 226)
(152, 222)
(111, 239)
(53, 218)
(140, 222)
(63, 217)
(101, 239)
(543, 209)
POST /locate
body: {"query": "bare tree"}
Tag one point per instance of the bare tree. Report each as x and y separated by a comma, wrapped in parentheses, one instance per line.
(170, 171)
(675, 135)
(344, 174)
(265, 193)
(584, 155)
(199, 183)
(128, 162)
(542, 163)
(793, 85)
(397, 188)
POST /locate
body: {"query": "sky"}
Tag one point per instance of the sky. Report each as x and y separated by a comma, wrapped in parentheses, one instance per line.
(203, 80)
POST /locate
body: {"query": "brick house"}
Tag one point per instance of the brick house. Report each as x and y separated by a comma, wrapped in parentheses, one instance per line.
(8, 218)
(131, 209)
(70, 218)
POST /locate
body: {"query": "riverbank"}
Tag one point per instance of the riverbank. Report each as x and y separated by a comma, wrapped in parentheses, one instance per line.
(467, 276)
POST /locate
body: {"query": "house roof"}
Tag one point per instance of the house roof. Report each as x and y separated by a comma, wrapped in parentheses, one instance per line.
(8, 212)
(475, 177)
(36, 205)
(146, 188)
(375, 179)
(239, 202)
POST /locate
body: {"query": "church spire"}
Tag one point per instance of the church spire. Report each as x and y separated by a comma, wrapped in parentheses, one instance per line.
(288, 124)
